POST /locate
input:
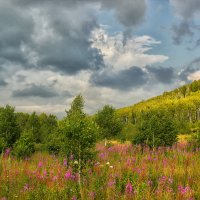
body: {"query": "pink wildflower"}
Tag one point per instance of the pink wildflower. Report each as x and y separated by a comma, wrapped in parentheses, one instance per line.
(40, 164)
(65, 162)
(68, 175)
(129, 188)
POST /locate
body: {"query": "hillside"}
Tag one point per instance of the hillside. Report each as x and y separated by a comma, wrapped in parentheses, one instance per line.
(183, 103)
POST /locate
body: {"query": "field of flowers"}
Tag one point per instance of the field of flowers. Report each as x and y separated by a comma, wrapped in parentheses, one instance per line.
(120, 171)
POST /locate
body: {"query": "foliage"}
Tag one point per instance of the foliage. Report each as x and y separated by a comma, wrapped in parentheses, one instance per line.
(24, 147)
(108, 121)
(80, 132)
(156, 129)
(183, 104)
(56, 143)
(9, 131)
(195, 129)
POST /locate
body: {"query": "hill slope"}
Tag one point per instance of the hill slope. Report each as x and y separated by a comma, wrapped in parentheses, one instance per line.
(183, 103)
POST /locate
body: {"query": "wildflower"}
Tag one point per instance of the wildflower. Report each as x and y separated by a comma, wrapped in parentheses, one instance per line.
(7, 152)
(68, 175)
(26, 187)
(129, 188)
(111, 183)
(111, 166)
(76, 162)
(65, 162)
(55, 178)
(45, 172)
(108, 163)
(74, 198)
(71, 157)
(92, 195)
(40, 164)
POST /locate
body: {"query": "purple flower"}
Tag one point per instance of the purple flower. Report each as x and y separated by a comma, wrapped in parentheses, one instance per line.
(65, 162)
(40, 164)
(129, 188)
(68, 175)
(7, 152)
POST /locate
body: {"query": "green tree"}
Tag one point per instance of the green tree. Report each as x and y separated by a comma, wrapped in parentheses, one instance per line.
(156, 128)
(108, 122)
(9, 130)
(48, 126)
(33, 125)
(80, 133)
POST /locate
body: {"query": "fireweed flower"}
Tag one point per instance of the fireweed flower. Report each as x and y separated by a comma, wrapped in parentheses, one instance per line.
(71, 157)
(68, 175)
(40, 164)
(54, 178)
(65, 162)
(129, 188)
(7, 152)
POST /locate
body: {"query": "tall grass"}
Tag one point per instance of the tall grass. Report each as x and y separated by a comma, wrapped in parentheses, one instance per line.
(120, 171)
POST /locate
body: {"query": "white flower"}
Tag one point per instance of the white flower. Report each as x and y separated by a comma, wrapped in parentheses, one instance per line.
(76, 162)
(108, 163)
(111, 166)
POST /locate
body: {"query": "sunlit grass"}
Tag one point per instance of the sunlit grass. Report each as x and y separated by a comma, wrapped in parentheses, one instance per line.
(120, 171)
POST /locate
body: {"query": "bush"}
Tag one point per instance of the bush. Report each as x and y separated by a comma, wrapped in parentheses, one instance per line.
(56, 143)
(195, 137)
(3, 145)
(108, 122)
(24, 147)
(9, 130)
(156, 128)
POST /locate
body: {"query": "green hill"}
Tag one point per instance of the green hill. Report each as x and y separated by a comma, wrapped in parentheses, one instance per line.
(182, 103)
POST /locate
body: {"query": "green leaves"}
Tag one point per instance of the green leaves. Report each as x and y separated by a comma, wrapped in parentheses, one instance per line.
(9, 130)
(108, 121)
(156, 128)
(80, 131)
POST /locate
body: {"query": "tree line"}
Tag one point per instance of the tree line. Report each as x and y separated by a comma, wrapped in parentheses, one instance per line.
(155, 122)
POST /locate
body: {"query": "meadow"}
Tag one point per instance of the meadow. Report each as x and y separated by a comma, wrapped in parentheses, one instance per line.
(120, 171)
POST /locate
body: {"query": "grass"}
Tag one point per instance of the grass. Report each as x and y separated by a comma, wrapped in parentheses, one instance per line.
(120, 171)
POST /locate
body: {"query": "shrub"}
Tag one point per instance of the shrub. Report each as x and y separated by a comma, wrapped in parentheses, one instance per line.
(108, 122)
(24, 147)
(9, 131)
(56, 143)
(156, 128)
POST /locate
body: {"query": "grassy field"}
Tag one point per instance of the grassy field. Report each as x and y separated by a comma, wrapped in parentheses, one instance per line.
(120, 171)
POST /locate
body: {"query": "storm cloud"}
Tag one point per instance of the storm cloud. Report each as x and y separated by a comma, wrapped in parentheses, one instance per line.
(187, 11)
(3, 83)
(134, 77)
(180, 31)
(122, 80)
(163, 75)
(34, 90)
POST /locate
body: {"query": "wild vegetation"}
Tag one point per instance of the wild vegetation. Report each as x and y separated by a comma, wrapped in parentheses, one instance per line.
(46, 158)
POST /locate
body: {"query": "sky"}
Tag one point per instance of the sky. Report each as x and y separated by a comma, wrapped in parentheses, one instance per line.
(111, 51)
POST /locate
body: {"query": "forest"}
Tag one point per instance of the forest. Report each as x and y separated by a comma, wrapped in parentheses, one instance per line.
(113, 154)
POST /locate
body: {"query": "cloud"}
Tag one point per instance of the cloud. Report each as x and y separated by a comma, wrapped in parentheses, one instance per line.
(122, 80)
(194, 76)
(48, 38)
(190, 71)
(180, 31)
(163, 75)
(128, 12)
(120, 54)
(35, 91)
(187, 9)
(3, 83)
